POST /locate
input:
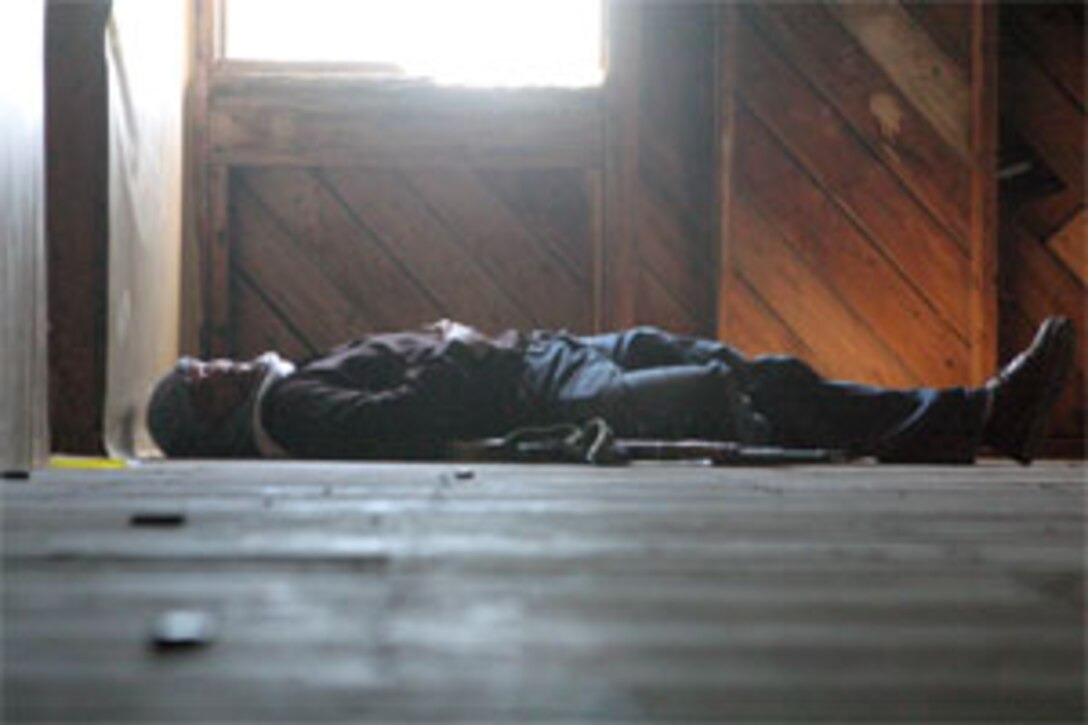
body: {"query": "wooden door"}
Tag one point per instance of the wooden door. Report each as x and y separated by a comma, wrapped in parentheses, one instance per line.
(856, 188)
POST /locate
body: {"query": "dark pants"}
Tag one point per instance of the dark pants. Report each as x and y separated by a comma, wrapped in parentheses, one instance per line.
(650, 383)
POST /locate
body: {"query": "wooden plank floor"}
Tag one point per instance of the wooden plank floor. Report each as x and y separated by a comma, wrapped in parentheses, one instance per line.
(655, 593)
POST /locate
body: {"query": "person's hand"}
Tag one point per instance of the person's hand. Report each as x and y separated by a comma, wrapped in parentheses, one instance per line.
(468, 339)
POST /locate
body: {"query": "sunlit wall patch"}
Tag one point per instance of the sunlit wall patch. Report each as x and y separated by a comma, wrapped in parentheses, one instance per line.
(468, 42)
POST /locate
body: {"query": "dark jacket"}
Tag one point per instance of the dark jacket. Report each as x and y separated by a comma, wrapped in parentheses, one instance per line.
(396, 395)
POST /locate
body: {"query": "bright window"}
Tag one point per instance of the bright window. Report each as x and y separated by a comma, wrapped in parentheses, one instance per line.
(464, 42)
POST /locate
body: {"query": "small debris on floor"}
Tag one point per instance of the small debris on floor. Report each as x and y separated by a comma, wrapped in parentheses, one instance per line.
(87, 463)
(15, 475)
(183, 629)
(157, 518)
(464, 474)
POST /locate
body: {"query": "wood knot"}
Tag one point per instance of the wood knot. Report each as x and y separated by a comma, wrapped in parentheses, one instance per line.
(888, 114)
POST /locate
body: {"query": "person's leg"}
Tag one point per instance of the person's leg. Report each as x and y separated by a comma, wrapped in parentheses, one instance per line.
(1009, 414)
(564, 380)
(682, 401)
(675, 386)
(650, 347)
(571, 379)
(804, 410)
(628, 379)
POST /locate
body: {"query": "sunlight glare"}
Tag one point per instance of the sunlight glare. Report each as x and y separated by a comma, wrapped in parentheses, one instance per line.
(467, 42)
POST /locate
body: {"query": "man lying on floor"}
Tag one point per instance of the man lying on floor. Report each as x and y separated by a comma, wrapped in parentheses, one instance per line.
(407, 395)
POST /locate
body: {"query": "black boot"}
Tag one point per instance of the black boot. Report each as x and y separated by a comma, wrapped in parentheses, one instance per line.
(1024, 392)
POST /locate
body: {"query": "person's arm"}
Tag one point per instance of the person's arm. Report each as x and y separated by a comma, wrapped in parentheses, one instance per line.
(316, 415)
(463, 340)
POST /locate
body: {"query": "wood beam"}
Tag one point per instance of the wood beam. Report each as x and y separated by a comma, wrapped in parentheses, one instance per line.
(77, 222)
(619, 257)
(728, 56)
(982, 243)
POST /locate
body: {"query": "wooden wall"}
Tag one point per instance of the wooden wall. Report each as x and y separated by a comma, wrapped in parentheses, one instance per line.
(333, 209)
(849, 229)
(1044, 220)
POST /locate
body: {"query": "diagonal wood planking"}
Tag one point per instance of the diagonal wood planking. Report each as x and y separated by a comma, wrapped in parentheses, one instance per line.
(813, 41)
(1053, 33)
(672, 251)
(351, 262)
(1058, 134)
(381, 249)
(826, 238)
(850, 177)
(557, 205)
(669, 256)
(383, 200)
(288, 273)
(935, 84)
(817, 136)
(947, 23)
(1069, 243)
(547, 293)
(358, 260)
(659, 306)
(755, 321)
(1051, 123)
(1041, 285)
(260, 325)
(841, 343)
